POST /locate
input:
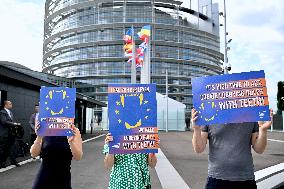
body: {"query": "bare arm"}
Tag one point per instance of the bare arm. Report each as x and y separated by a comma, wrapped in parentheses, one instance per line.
(199, 138)
(109, 158)
(259, 140)
(109, 161)
(75, 143)
(152, 160)
(36, 147)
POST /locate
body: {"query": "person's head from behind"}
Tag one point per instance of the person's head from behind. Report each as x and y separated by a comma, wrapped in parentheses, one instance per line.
(8, 104)
(36, 108)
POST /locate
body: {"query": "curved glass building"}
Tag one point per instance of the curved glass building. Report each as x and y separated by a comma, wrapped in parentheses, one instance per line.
(83, 41)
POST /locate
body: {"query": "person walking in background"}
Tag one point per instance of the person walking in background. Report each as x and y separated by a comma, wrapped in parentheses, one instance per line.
(99, 120)
(56, 153)
(128, 171)
(32, 123)
(8, 132)
(230, 159)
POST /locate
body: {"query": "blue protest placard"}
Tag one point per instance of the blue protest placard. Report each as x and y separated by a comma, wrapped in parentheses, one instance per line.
(57, 111)
(132, 110)
(231, 98)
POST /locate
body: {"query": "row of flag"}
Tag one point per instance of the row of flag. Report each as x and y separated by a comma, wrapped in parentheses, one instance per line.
(129, 45)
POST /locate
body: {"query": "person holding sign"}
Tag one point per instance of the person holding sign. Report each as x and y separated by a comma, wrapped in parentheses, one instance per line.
(128, 170)
(230, 159)
(56, 153)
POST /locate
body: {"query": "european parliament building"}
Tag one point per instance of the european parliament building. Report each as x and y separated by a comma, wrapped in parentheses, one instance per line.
(83, 41)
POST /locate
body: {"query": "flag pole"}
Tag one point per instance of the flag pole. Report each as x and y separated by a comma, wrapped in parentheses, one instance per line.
(149, 60)
(167, 96)
(145, 70)
(133, 63)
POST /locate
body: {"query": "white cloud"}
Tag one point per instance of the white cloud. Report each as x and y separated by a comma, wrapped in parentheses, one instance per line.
(257, 35)
(21, 34)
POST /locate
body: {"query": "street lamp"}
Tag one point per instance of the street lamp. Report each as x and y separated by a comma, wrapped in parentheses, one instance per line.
(167, 96)
(226, 67)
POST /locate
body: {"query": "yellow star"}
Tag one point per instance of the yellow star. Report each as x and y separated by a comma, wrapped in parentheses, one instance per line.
(117, 103)
(119, 121)
(117, 112)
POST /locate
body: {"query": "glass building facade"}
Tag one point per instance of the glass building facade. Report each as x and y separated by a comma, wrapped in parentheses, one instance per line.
(83, 42)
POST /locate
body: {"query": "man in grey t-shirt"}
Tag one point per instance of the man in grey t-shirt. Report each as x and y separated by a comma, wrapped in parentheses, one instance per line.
(230, 159)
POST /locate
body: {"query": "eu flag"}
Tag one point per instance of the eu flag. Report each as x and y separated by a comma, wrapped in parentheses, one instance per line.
(57, 102)
(132, 109)
(57, 111)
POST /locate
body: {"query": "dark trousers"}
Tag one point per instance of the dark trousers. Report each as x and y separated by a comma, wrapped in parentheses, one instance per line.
(3, 145)
(8, 149)
(213, 183)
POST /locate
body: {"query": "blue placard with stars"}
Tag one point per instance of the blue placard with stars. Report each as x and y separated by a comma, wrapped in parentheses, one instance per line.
(57, 111)
(231, 98)
(132, 110)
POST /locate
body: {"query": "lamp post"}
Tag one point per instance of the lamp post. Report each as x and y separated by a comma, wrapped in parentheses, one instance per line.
(226, 66)
(167, 102)
(225, 38)
(133, 63)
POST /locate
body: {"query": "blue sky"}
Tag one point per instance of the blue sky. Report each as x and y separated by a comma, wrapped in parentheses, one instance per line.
(256, 27)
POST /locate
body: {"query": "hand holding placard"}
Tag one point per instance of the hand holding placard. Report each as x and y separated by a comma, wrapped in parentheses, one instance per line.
(194, 117)
(264, 125)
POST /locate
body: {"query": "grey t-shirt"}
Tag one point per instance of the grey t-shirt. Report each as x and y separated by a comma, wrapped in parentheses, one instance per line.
(230, 155)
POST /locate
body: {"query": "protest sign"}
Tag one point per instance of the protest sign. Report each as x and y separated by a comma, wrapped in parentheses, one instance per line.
(57, 111)
(231, 98)
(132, 110)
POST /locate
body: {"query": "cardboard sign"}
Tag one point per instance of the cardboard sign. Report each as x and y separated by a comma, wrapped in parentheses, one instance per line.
(231, 98)
(132, 110)
(57, 111)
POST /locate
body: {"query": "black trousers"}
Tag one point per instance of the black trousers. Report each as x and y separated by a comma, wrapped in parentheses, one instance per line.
(213, 183)
(2, 149)
(8, 149)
